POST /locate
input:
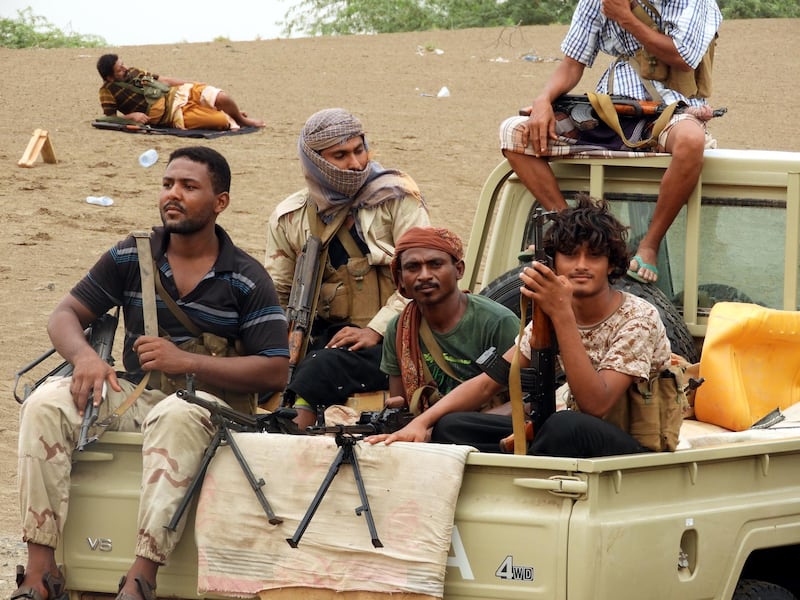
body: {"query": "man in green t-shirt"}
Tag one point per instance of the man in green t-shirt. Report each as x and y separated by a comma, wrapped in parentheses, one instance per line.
(433, 344)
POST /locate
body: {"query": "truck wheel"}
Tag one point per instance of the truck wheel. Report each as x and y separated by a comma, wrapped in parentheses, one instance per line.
(708, 294)
(505, 290)
(753, 589)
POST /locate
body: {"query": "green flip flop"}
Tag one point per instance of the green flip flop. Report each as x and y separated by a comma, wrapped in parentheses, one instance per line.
(642, 265)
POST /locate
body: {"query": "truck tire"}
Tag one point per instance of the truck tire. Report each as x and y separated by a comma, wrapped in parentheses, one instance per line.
(505, 290)
(753, 589)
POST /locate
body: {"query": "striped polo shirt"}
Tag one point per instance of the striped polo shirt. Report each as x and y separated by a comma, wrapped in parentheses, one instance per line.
(235, 300)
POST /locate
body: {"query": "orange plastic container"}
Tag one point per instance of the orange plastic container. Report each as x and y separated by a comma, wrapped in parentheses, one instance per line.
(750, 362)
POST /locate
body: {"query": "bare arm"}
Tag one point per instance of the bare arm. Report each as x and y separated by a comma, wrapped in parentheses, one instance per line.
(658, 44)
(468, 396)
(541, 124)
(171, 80)
(66, 330)
(397, 393)
(238, 373)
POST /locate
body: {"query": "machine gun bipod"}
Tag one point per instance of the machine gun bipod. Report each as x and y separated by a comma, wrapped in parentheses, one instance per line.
(346, 438)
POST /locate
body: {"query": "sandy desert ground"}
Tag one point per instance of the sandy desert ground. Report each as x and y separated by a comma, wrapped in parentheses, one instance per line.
(50, 236)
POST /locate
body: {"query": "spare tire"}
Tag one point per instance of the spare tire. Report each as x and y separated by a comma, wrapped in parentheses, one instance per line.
(505, 290)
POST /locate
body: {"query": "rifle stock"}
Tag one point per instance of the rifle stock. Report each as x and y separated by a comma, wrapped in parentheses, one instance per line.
(302, 300)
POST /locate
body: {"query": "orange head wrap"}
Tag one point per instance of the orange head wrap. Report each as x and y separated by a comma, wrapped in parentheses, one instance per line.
(435, 238)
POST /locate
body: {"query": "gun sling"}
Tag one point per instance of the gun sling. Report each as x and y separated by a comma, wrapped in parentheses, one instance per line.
(147, 273)
(417, 397)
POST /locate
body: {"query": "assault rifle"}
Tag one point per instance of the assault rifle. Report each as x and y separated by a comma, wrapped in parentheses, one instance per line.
(100, 335)
(580, 110)
(539, 380)
(64, 368)
(101, 338)
(543, 340)
(302, 300)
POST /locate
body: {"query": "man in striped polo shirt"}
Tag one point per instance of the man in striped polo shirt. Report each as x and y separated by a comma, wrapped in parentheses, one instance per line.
(222, 292)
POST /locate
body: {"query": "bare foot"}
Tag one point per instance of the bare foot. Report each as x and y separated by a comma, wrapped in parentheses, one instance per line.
(248, 122)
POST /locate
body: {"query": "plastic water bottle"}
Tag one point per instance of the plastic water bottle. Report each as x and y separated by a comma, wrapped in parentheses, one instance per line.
(99, 200)
(148, 158)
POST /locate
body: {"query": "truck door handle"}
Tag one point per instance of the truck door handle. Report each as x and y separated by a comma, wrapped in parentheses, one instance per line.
(559, 485)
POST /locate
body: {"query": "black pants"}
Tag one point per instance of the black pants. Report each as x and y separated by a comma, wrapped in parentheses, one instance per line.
(565, 433)
(330, 375)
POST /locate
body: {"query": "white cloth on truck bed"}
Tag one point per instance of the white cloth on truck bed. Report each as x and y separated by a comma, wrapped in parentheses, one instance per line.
(412, 491)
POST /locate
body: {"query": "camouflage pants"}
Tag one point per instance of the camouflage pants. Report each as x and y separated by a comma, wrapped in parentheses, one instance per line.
(175, 436)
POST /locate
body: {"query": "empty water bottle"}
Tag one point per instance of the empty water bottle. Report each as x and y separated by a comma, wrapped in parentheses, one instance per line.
(99, 200)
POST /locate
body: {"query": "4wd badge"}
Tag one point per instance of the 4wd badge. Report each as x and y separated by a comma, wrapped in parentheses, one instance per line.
(511, 572)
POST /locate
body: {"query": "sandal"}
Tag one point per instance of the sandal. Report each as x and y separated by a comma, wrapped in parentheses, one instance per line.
(54, 584)
(147, 591)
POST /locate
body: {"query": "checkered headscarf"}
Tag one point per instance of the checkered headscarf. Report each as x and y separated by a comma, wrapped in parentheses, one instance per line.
(330, 186)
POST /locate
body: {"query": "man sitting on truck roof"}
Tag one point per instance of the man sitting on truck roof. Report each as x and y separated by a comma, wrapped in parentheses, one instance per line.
(608, 341)
(677, 37)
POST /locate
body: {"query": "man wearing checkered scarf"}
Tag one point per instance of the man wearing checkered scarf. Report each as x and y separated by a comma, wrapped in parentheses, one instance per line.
(358, 208)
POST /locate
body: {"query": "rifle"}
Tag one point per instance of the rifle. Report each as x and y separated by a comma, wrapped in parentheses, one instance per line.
(101, 338)
(302, 300)
(543, 346)
(580, 110)
(539, 380)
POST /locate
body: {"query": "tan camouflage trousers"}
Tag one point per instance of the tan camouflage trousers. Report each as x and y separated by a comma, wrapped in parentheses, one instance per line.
(175, 437)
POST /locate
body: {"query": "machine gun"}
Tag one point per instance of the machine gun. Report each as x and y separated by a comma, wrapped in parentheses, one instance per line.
(346, 438)
(226, 420)
(101, 338)
(302, 300)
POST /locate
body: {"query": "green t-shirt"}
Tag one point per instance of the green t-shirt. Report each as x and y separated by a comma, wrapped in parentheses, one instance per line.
(484, 324)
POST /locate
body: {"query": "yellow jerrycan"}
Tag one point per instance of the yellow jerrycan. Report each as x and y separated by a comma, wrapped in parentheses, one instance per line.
(750, 362)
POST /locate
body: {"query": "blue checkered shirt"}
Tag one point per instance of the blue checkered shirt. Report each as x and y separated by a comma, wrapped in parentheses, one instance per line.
(691, 24)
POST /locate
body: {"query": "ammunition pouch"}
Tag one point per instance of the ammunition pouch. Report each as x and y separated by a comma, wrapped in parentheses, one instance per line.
(354, 292)
(651, 411)
(207, 344)
(692, 84)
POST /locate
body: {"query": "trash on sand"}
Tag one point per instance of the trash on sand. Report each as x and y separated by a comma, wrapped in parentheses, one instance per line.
(443, 93)
(148, 158)
(99, 200)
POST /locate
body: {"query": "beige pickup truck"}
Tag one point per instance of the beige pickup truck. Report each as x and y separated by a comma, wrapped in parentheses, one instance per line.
(718, 521)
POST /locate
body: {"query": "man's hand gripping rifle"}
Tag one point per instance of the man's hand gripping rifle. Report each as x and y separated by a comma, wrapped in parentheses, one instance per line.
(101, 338)
(543, 340)
(538, 381)
(100, 335)
(303, 300)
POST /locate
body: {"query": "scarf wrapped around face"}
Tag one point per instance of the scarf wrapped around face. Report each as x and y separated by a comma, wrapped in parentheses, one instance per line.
(332, 188)
(407, 346)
